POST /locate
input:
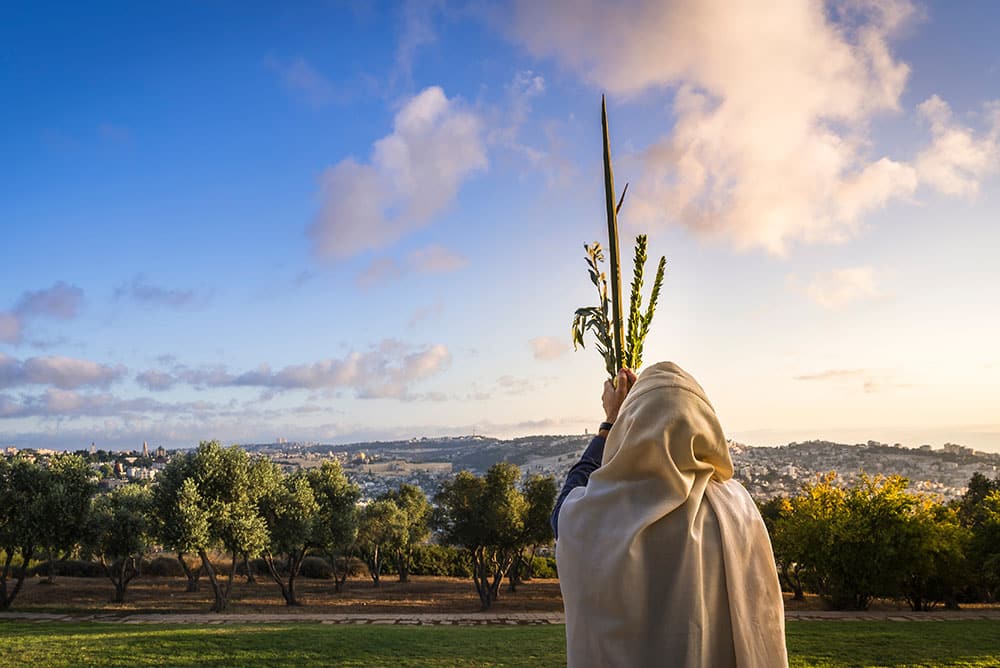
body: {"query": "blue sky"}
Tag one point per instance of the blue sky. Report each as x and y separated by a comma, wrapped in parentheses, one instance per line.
(342, 221)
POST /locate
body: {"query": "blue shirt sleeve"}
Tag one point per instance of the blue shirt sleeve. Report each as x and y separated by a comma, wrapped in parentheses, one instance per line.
(579, 475)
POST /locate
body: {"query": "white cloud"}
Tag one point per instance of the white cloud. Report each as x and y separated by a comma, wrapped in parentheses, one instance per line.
(840, 287)
(773, 103)
(548, 347)
(957, 159)
(414, 174)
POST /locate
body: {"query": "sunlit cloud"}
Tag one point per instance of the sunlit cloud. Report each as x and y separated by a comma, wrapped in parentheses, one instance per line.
(958, 158)
(770, 143)
(548, 347)
(840, 287)
(413, 175)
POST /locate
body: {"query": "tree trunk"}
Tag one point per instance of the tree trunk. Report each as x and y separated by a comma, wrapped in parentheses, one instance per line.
(375, 566)
(193, 575)
(50, 566)
(403, 565)
(5, 599)
(120, 574)
(339, 574)
(794, 582)
(219, 605)
(480, 576)
(514, 573)
(251, 578)
(528, 571)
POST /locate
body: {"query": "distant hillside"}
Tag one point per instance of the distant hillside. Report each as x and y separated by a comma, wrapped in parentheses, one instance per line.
(766, 471)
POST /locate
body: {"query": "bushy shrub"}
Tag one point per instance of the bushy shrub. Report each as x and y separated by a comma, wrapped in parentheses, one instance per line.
(441, 560)
(163, 567)
(72, 568)
(544, 567)
(257, 566)
(316, 567)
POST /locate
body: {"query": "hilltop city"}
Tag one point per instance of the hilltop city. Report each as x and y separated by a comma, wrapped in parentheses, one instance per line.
(379, 466)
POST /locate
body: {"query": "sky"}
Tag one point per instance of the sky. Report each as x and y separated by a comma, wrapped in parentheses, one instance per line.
(336, 222)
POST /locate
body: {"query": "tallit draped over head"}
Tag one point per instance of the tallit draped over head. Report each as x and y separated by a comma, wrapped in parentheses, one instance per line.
(663, 558)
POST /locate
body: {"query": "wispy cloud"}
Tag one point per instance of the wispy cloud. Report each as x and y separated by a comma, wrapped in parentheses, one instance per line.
(62, 372)
(305, 81)
(832, 374)
(61, 301)
(380, 270)
(140, 290)
(57, 403)
(870, 381)
(387, 370)
(770, 143)
(436, 259)
(116, 134)
(548, 347)
(423, 313)
(413, 175)
(433, 259)
(838, 288)
(415, 20)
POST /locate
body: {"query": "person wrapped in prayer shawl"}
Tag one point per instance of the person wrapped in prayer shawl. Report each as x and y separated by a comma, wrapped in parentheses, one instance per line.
(663, 557)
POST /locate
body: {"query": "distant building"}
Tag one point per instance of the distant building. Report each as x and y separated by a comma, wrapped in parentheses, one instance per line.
(145, 449)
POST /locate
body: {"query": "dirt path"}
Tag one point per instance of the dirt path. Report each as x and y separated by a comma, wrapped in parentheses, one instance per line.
(445, 619)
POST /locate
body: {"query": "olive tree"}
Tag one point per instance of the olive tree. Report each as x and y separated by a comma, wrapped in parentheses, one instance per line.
(66, 503)
(540, 498)
(416, 518)
(291, 513)
(222, 506)
(180, 517)
(336, 527)
(381, 528)
(23, 488)
(485, 515)
(118, 532)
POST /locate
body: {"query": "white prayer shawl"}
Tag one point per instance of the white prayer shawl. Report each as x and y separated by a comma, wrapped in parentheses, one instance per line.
(663, 558)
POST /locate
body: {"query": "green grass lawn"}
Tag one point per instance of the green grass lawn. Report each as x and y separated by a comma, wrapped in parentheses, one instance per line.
(966, 643)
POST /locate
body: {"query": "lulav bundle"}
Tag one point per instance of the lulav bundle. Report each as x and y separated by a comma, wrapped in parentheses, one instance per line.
(605, 319)
(596, 319)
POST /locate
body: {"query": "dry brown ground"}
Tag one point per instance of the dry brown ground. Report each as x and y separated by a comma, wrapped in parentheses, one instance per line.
(420, 595)
(164, 594)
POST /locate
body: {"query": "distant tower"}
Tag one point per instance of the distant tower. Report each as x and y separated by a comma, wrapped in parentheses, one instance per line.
(145, 449)
(93, 448)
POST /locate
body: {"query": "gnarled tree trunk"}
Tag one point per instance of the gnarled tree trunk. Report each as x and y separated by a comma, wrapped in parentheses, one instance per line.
(193, 575)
